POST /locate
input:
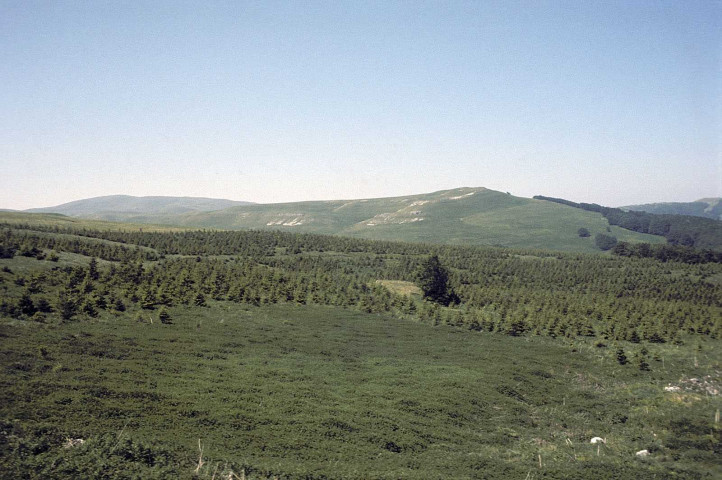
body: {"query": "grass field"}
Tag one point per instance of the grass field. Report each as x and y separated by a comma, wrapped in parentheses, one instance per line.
(322, 392)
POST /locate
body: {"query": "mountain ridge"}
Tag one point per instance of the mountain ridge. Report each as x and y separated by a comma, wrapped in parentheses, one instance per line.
(122, 207)
(704, 207)
(460, 216)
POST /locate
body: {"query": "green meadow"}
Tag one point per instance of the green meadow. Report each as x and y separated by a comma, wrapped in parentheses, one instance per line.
(323, 392)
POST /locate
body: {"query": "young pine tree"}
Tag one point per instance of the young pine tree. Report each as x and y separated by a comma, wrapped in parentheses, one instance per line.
(164, 316)
(433, 280)
(621, 357)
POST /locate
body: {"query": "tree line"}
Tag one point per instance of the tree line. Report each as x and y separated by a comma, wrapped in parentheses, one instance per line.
(666, 253)
(681, 230)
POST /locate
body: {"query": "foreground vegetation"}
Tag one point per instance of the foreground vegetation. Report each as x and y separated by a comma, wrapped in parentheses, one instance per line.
(261, 354)
(322, 392)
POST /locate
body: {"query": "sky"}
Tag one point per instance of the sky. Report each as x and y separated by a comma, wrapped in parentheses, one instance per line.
(608, 102)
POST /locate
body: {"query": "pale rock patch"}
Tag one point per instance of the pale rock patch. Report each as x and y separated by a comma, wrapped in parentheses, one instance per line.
(462, 196)
(73, 442)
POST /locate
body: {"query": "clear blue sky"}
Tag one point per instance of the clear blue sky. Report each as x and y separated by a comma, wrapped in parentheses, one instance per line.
(607, 102)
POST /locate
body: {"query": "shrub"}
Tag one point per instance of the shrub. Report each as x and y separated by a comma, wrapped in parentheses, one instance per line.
(43, 305)
(621, 357)
(605, 242)
(164, 316)
(119, 305)
(199, 300)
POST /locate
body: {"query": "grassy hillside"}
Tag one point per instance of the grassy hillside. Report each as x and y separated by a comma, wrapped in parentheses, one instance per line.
(124, 207)
(494, 218)
(706, 207)
(465, 216)
(683, 230)
(52, 220)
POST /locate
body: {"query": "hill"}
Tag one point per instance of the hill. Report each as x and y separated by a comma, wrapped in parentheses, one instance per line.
(57, 221)
(463, 216)
(684, 230)
(126, 207)
(705, 207)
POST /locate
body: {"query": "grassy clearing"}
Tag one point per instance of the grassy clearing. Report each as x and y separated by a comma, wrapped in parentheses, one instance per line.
(401, 287)
(322, 392)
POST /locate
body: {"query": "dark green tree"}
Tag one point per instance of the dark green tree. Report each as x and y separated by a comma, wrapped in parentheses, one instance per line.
(164, 316)
(515, 327)
(621, 357)
(119, 305)
(93, 269)
(66, 305)
(43, 305)
(88, 307)
(434, 282)
(199, 300)
(583, 232)
(634, 336)
(147, 298)
(605, 242)
(26, 305)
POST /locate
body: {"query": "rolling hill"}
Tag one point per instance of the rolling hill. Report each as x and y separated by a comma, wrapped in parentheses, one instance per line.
(462, 216)
(119, 208)
(705, 207)
(684, 230)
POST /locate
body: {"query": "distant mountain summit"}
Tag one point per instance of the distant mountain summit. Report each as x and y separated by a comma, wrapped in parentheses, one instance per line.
(705, 207)
(124, 207)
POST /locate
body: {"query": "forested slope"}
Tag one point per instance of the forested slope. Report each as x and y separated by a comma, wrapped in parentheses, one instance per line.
(500, 290)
